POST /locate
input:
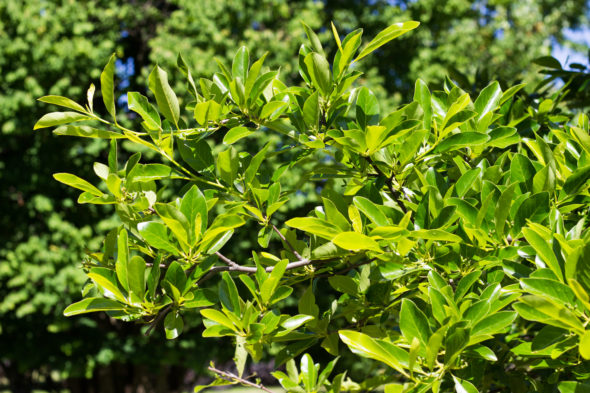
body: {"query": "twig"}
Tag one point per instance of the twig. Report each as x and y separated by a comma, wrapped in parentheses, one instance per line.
(233, 266)
(158, 318)
(284, 239)
(232, 377)
(396, 194)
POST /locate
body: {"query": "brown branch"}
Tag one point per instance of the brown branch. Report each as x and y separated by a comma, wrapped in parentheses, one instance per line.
(284, 239)
(158, 318)
(232, 377)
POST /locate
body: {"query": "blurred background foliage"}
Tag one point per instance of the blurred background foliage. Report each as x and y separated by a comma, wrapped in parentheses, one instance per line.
(60, 46)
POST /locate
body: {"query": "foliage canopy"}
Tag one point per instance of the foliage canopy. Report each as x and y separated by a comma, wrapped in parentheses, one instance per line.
(449, 243)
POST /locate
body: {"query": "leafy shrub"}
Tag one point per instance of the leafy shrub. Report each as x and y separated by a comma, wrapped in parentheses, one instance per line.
(449, 242)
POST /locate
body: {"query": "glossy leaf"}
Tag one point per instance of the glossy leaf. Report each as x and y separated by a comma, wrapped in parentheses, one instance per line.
(107, 86)
(355, 242)
(76, 182)
(413, 323)
(165, 96)
(387, 35)
(92, 304)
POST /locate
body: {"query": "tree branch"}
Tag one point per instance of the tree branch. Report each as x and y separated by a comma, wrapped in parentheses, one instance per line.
(232, 377)
(284, 239)
(233, 266)
(394, 193)
(157, 319)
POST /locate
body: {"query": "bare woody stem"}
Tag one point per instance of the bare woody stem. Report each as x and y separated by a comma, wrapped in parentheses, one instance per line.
(234, 378)
(284, 239)
(157, 319)
(233, 266)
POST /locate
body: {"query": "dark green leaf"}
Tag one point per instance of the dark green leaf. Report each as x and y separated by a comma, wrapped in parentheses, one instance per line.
(413, 323)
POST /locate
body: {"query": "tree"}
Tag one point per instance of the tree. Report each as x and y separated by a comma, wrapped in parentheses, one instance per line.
(450, 245)
(56, 47)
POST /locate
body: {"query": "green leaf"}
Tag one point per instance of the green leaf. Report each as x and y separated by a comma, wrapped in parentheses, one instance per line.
(551, 289)
(173, 325)
(544, 180)
(307, 304)
(313, 39)
(107, 86)
(58, 118)
(93, 304)
(391, 32)
(140, 105)
(535, 308)
(365, 346)
(136, 276)
(196, 153)
(585, 345)
(521, 169)
(219, 317)
(344, 284)
(107, 279)
(156, 235)
(367, 108)
(345, 53)
(241, 64)
(227, 165)
(576, 180)
(488, 100)
(261, 84)
(76, 182)
(63, 101)
(434, 234)
(86, 132)
(461, 140)
(503, 209)
(235, 134)
(462, 386)
(252, 169)
(165, 96)
(269, 286)
(371, 211)
(315, 226)
(319, 71)
(354, 241)
(465, 284)
(573, 387)
(311, 111)
(295, 321)
(149, 172)
(413, 323)
(466, 181)
(422, 96)
(228, 294)
(464, 210)
(194, 205)
(544, 251)
(494, 323)
(548, 62)
(273, 109)
(535, 208)
(122, 263)
(309, 373)
(207, 111)
(454, 343)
